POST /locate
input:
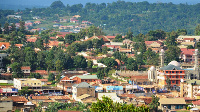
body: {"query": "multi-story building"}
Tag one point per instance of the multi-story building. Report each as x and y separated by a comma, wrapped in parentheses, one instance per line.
(32, 83)
(190, 88)
(82, 90)
(6, 104)
(171, 71)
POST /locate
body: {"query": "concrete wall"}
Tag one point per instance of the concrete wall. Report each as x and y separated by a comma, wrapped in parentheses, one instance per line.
(5, 106)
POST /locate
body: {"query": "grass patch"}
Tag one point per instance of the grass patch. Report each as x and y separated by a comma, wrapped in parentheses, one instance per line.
(4, 84)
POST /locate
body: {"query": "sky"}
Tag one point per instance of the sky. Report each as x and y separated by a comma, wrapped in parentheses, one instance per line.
(71, 2)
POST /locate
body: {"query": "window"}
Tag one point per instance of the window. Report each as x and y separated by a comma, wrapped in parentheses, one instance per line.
(166, 71)
(180, 76)
(176, 76)
(34, 83)
(172, 76)
(85, 80)
(180, 71)
(176, 82)
(173, 81)
(176, 71)
(172, 71)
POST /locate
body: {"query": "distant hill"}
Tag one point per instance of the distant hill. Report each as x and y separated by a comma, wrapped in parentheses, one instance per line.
(22, 4)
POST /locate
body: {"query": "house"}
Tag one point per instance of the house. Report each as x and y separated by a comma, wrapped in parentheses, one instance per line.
(171, 71)
(73, 20)
(113, 96)
(154, 45)
(32, 83)
(62, 34)
(26, 70)
(187, 55)
(63, 20)
(172, 103)
(18, 101)
(37, 22)
(19, 45)
(6, 104)
(105, 39)
(188, 44)
(181, 38)
(36, 17)
(111, 37)
(4, 45)
(82, 90)
(125, 50)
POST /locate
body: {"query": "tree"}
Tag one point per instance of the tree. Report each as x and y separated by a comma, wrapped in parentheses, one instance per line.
(105, 50)
(172, 53)
(168, 83)
(150, 57)
(171, 40)
(6, 28)
(190, 47)
(16, 70)
(117, 55)
(118, 38)
(35, 75)
(89, 63)
(57, 4)
(107, 105)
(59, 65)
(25, 91)
(197, 30)
(51, 77)
(131, 64)
(13, 27)
(69, 38)
(22, 26)
(0, 29)
(80, 62)
(154, 104)
(129, 35)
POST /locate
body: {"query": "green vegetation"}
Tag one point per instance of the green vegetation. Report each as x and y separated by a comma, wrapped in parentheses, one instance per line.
(4, 84)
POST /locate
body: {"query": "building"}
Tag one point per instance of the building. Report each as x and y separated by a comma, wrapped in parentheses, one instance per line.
(190, 88)
(32, 83)
(187, 55)
(172, 103)
(113, 96)
(116, 89)
(6, 104)
(171, 71)
(82, 90)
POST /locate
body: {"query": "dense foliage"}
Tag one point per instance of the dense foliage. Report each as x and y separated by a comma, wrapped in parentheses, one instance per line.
(120, 16)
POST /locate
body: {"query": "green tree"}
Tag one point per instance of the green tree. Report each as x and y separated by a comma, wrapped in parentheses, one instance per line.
(197, 30)
(80, 62)
(150, 57)
(59, 65)
(131, 64)
(51, 77)
(6, 28)
(171, 39)
(89, 63)
(69, 38)
(25, 91)
(118, 38)
(16, 70)
(105, 50)
(13, 27)
(172, 53)
(168, 83)
(35, 75)
(129, 35)
(0, 29)
(57, 4)
(22, 26)
(190, 47)
(154, 104)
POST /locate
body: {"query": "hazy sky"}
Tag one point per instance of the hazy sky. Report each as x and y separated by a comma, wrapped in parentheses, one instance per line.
(71, 2)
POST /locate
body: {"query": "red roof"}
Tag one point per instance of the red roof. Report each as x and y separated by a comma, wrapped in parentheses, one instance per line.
(150, 42)
(140, 77)
(196, 102)
(31, 39)
(59, 97)
(18, 98)
(54, 38)
(111, 46)
(105, 39)
(6, 44)
(65, 78)
(128, 95)
(6, 74)
(43, 80)
(41, 72)
(188, 52)
(19, 45)
(25, 68)
(40, 97)
(111, 37)
(191, 39)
